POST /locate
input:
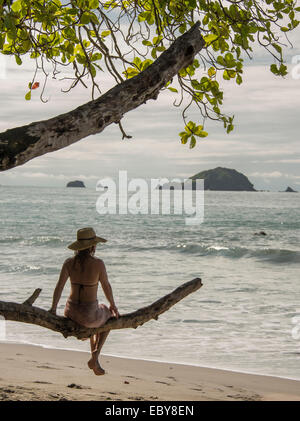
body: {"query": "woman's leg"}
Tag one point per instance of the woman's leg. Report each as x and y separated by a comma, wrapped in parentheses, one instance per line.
(97, 342)
(93, 344)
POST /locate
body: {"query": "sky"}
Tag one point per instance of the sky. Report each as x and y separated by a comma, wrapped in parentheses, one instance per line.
(264, 145)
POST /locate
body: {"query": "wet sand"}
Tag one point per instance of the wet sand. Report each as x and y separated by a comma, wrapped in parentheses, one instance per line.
(30, 373)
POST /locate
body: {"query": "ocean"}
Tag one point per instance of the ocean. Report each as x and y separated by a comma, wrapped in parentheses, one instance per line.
(246, 317)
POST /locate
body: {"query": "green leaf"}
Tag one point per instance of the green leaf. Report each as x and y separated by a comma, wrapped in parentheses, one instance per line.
(211, 71)
(205, 20)
(96, 56)
(146, 64)
(16, 6)
(93, 18)
(182, 28)
(226, 75)
(277, 48)
(131, 72)
(210, 38)
(239, 79)
(184, 137)
(172, 89)
(153, 53)
(105, 34)
(28, 96)
(93, 70)
(192, 142)
(283, 70)
(85, 19)
(18, 60)
(142, 16)
(137, 61)
(229, 128)
(150, 18)
(198, 130)
(93, 4)
(274, 69)
(221, 61)
(192, 3)
(156, 40)
(190, 127)
(202, 134)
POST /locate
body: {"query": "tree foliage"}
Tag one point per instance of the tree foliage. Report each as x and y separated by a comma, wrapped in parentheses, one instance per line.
(124, 37)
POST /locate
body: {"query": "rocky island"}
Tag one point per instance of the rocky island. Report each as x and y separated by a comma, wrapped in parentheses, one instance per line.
(290, 190)
(76, 183)
(223, 179)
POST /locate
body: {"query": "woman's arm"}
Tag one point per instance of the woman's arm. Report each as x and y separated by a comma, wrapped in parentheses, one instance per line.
(107, 289)
(64, 274)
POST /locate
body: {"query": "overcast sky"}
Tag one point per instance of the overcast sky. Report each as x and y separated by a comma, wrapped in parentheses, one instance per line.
(264, 145)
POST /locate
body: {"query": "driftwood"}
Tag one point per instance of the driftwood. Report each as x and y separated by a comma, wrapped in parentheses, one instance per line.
(27, 313)
(20, 144)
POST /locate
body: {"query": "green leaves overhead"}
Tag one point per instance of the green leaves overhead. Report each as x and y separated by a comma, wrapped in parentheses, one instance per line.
(123, 38)
(279, 70)
(191, 130)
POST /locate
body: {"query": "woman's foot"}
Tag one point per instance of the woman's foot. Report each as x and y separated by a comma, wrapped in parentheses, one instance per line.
(91, 363)
(95, 366)
(98, 370)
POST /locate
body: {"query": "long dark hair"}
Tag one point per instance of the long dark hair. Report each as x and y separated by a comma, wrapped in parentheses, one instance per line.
(81, 256)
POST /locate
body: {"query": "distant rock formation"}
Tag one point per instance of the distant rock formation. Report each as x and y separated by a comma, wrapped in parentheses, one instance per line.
(224, 179)
(290, 190)
(76, 183)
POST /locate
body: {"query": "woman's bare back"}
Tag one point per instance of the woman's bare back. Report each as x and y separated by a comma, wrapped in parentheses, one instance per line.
(84, 283)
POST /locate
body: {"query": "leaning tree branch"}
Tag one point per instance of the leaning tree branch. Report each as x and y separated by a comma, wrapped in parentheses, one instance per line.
(20, 144)
(27, 313)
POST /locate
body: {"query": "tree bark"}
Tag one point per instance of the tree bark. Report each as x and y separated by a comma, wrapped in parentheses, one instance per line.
(20, 144)
(27, 313)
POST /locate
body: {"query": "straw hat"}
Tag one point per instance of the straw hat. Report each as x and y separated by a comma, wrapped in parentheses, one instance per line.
(86, 237)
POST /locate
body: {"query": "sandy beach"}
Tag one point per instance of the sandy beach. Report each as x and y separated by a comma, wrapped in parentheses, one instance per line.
(34, 373)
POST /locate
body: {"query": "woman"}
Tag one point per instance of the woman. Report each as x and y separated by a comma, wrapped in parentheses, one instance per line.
(85, 271)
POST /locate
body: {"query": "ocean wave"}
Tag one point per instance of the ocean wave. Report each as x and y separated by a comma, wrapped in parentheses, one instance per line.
(10, 239)
(50, 241)
(45, 241)
(200, 321)
(271, 255)
(267, 254)
(31, 269)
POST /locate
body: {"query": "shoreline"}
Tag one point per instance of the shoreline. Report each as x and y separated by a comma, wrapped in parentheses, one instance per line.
(126, 357)
(36, 372)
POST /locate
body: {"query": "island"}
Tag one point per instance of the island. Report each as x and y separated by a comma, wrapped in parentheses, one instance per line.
(76, 183)
(221, 179)
(224, 179)
(290, 190)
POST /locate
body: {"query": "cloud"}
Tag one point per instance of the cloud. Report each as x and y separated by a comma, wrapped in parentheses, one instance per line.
(275, 174)
(49, 176)
(265, 140)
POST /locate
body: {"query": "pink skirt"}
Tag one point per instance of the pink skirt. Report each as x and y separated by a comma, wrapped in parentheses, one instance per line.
(90, 314)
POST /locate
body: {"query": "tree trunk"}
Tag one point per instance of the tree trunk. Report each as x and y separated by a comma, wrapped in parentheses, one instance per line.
(21, 144)
(26, 313)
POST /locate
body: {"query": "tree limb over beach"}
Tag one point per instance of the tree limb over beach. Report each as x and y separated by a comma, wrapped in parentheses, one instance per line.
(20, 144)
(27, 313)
